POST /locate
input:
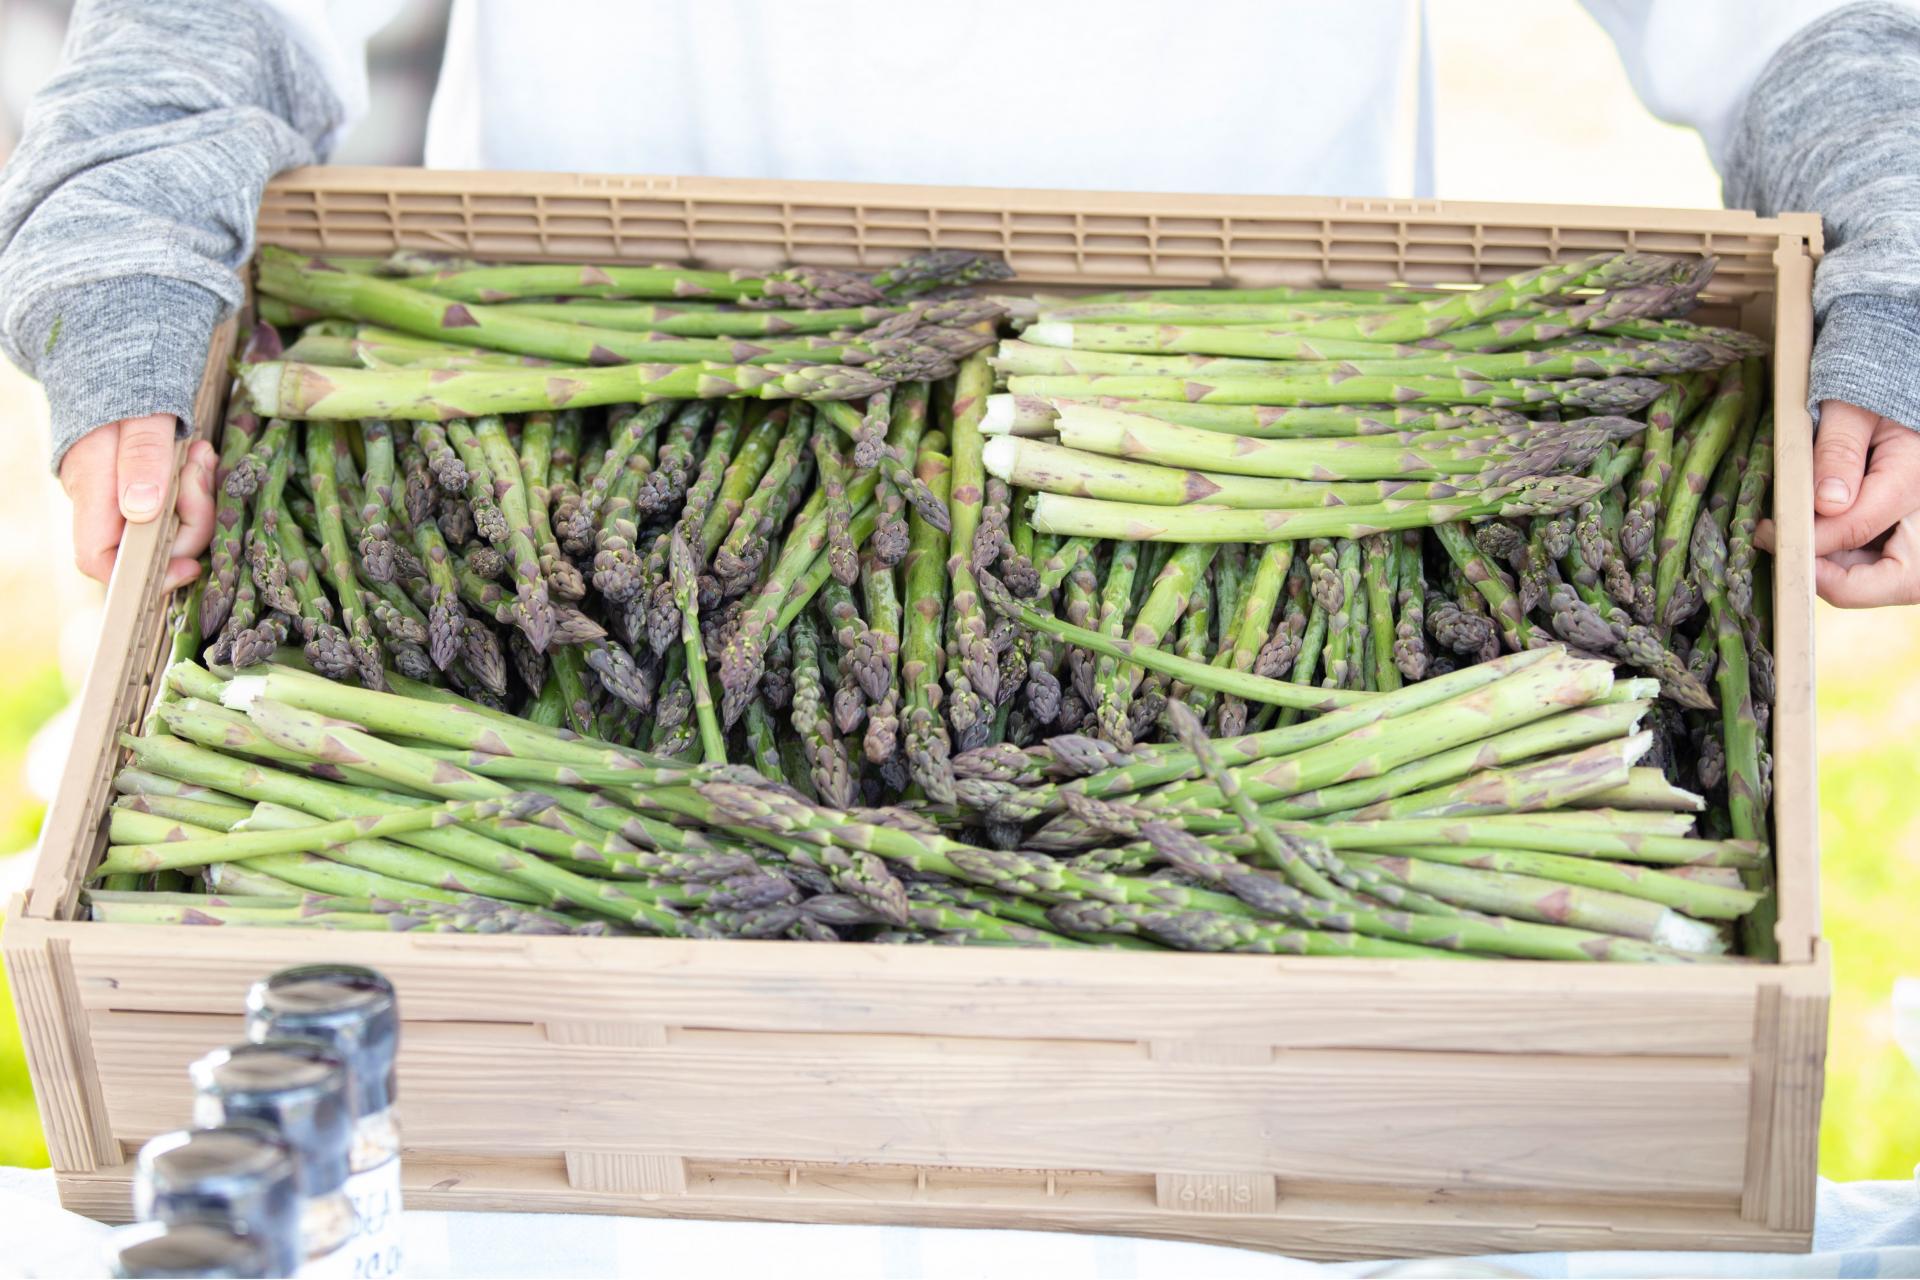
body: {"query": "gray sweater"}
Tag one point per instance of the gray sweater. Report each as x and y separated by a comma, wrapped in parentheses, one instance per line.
(129, 204)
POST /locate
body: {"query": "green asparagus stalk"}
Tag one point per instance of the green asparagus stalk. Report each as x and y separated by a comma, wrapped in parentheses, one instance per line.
(1718, 423)
(973, 673)
(741, 551)
(1035, 415)
(1251, 623)
(712, 741)
(480, 283)
(226, 551)
(1499, 460)
(1252, 688)
(226, 847)
(431, 315)
(1695, 898)
(1116, 600)
(1381, 563)
(1043, 466)
(1492, 584)
(1206, 350)
(831, 775)
(690, 322)
(284, 389)
(1596, 395)
(923, 634)
(1524, 897)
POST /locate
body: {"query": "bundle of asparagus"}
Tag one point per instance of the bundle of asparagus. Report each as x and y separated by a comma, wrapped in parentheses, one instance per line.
(1289, 671)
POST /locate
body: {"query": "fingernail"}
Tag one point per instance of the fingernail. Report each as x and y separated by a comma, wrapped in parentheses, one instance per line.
(140, 500)
(1833, 489)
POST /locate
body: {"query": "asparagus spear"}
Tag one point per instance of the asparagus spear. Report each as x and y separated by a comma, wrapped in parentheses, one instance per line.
(1050, 468)
(832, 777)
(973, 674)
(535, 613)
(742, 550)
(1596, 395)
(1340, 626)
(841, 556)
(1380, 566)
(285, 389)
(431, 315)
(1492, 584)
(1497, 459)
(235, 483)
(713, 742)
(1243, 349)
(631, 430)
(923, 634)
(537, 465)
(1200, 675)
(1035, 415)
(908, 406)
(461, 278)
(1718, 423)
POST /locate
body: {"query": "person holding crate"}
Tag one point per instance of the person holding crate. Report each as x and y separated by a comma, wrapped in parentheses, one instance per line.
(129, 204)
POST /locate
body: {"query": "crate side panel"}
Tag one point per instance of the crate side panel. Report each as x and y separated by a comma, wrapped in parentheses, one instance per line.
(1796, 795)
(1051, 237)
(1799, 1080)
(61, 1060)
(121, 675)
(1317, 1223)
(765, 986)
(1618, 1125)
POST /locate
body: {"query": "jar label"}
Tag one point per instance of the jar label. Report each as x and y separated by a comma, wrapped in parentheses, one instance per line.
(375, 1246)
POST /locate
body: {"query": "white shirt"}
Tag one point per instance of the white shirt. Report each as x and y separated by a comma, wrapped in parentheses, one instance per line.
(1294, 97)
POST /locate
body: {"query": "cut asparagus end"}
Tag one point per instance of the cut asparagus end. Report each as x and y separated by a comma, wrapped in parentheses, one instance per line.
(1684, 934)
(261, 381)
(1032, 416)
(1000, 416)
(242, 693)
(1000, 455)
(1049, 333)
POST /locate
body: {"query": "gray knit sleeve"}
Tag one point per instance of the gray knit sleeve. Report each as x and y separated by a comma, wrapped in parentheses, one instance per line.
(130, 202)
(1833, 125)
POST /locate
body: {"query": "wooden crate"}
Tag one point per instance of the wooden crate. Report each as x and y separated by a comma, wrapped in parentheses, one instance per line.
(1322, 1107)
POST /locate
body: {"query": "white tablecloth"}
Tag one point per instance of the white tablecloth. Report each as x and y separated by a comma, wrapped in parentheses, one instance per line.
(1862, 1229)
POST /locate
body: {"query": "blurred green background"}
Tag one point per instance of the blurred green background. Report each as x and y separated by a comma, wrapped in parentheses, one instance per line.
(1587, 142)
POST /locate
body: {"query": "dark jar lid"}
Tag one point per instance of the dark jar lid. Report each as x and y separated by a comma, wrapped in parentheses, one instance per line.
(294, 1087)
(239, 1176)
(346, 1007)
(162, 1251)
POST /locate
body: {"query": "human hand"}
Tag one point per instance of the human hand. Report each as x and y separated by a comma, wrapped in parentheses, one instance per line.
(117, 474)
(1866, 509)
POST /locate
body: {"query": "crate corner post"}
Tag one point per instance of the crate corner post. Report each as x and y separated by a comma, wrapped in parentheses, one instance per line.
(59, 1048)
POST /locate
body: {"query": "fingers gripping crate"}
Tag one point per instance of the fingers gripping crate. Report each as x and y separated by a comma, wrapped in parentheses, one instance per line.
(1322, 1107)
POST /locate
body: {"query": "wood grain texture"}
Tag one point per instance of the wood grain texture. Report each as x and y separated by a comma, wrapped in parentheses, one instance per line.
(1213, 1192)
(1610, 1125)
(647, 1176)
(1310, 1224)
(1439, 1005)
(1796, 784)
(1765, 1058)
(629, 1035)
(1799, 1078)
(60, 1058)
